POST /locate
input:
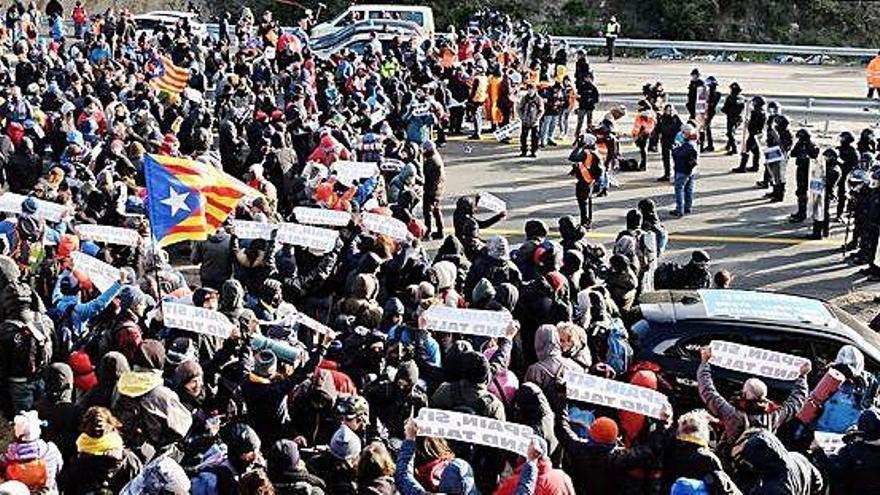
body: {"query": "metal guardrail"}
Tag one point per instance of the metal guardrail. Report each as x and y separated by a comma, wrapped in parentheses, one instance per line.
(707, 46)
(721, 46)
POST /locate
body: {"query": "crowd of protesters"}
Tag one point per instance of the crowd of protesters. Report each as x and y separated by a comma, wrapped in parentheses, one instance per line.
(103, 397)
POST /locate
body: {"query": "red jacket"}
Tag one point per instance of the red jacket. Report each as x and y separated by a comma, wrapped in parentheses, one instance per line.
(550, 481)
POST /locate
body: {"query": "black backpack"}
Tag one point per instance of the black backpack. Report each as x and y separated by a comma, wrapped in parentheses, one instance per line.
(31, 347)
(668, 276)
(64, 331)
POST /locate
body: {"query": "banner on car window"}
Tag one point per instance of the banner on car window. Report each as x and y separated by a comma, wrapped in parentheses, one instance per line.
(614, 394)
(474, 429)
(756, 361)
(753, 305)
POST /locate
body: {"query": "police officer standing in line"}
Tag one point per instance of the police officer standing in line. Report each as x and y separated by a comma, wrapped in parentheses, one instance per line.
(612, 31)
(694, 87)
(803, 152)
(733, 108)
(755, 127)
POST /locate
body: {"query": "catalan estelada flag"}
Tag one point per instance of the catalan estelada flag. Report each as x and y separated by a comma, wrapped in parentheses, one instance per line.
(188, 200)
(170, 77)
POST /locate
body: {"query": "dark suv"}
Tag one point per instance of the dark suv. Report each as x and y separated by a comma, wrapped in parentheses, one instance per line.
(676, 324)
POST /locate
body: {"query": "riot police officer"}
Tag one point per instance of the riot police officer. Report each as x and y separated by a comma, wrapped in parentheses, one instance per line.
(755, 126)
(823, 184)
(733, 108)
(804, 152)
(849, 160)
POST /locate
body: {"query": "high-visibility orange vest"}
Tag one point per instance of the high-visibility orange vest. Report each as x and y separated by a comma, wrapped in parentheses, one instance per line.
(873, 72)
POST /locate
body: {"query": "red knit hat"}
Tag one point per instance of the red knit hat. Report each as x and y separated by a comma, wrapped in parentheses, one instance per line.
(604, 431)
(557, 280)
(83, 372)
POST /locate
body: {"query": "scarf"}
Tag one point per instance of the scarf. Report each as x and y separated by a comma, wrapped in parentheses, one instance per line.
(99, 446)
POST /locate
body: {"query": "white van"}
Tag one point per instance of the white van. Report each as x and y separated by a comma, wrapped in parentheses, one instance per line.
(422, 16)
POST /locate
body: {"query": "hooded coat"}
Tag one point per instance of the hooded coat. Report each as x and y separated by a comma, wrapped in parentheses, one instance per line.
(149, 411)
(362, 303)
(551, 365)
(496, 269)
(112, 366)
(288, 473)
(775, 470)
(57, 409)
(549, 481)
(470, 393)
(533, 409)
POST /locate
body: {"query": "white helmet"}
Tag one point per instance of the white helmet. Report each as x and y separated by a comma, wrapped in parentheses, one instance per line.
(589, 140)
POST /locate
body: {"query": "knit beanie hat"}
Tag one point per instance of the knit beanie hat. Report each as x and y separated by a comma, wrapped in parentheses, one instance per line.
(345, 444)
(84, 377)
(26, 426)
(265, 363)
(604, 431)
(754, 389)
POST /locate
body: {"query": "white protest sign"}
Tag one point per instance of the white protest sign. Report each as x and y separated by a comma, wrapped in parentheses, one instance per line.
(614, 394)
(11, 203)
(421, 109)
(102, 275)
(109, 234)
(756, 361)
(773, 154)
(378, 115)
(391, 165)
(347, 171)
(467, 321)
(321, 216)
(491, 202)
(248, 229)
(471, 428)
(829, 442)
(307, 236)
(385, 225)
(196, 320)
(315, 325)
(505, 132)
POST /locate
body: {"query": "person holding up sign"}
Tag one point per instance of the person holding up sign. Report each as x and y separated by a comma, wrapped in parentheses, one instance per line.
(70, 314)
(457, 478)
(550, 480)
(265, 390)
(754, 409)
(599, 464)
